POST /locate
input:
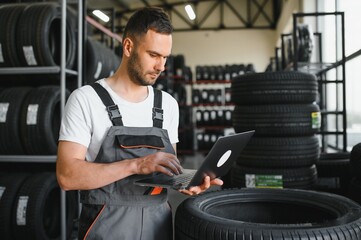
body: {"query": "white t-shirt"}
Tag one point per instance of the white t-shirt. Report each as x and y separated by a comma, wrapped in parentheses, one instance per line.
(86, 121)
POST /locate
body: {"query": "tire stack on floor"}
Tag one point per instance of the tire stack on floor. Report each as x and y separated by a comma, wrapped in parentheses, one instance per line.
(334, 175)
(355, 183)
(280, 107)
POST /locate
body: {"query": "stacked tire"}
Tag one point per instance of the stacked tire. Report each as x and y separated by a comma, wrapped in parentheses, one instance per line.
(30, 120)
(334, 172)
(280, 107)
(101, 61)
(30, 206)
(355, 164)
(33, 35)
(33, 39)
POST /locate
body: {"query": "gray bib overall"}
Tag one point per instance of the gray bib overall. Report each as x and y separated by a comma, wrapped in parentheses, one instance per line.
(122, 210)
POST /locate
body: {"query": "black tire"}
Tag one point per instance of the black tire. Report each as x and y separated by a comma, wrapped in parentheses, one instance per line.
(301, 178)
(11, 100)
(39, 32)
(334, 165)
(9, 16)
(355, 190)
(277, 120)
(278, 152)
(305, 42)
(258, 214)
(40, 120)
(10, 183)
(274, 88)
(37, 215)
(355, 161)
(101, 61)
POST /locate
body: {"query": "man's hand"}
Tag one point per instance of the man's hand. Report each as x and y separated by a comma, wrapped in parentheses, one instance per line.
(207, 183)
(159, 162)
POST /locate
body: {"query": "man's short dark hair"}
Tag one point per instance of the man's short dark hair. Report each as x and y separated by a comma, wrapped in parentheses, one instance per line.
(149, 18)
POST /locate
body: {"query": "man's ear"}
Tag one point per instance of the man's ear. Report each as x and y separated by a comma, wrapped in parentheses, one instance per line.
(128, 46)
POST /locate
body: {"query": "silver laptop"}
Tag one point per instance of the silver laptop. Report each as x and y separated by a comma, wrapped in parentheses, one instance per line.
(217, 163)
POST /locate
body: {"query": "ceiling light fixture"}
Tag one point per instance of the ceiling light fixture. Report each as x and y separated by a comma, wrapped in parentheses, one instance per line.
(190, 12)
(102, 16)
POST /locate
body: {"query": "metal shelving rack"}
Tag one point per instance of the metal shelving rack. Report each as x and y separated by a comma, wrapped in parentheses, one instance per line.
(320, 69)
(62, 71)
(200, 84)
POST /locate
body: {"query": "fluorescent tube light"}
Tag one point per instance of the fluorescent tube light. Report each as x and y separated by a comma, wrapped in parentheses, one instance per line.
(101, 15)
(190, 12)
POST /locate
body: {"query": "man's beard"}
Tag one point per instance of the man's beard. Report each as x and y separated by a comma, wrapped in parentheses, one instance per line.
(135, 70)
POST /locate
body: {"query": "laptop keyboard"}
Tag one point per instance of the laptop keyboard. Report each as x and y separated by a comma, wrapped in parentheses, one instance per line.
(182, 179)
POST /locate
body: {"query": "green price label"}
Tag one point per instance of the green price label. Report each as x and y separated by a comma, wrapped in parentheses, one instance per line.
(264, 181)
(316, 120)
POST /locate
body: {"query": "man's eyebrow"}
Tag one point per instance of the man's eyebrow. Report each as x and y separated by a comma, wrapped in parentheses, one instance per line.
(157, 53)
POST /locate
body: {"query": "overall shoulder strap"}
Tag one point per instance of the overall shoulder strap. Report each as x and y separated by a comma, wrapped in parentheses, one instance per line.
(112, 108)
(157, 109)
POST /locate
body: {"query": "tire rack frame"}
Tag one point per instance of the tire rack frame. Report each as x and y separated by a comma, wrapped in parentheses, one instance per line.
(320, 72)
(54, 70)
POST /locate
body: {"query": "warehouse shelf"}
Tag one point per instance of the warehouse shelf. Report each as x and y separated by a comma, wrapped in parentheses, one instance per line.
(28, 158)
(35, 70)
(314, 68)
(219, 81)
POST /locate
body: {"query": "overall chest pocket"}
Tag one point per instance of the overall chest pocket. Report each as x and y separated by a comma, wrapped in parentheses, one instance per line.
(136, 141)
(133, 146)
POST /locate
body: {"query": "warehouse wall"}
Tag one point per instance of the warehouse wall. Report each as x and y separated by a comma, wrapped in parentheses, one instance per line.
(226, 47)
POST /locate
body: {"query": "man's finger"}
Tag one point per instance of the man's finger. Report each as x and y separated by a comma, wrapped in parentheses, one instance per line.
(217, 182)
(206, 183)
(171, 165)
(165, 170)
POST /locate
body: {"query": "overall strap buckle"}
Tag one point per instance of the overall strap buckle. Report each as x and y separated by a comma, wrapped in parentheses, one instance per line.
(157, 114)
(111, 107)
(157, 109)
(113, 112)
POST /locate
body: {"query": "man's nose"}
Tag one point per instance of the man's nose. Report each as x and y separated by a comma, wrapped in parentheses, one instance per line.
(160, 66)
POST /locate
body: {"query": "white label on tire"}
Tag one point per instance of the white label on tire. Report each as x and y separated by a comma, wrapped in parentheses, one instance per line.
(98, 71)
(21, 210)
(250, 180)
(32, 115)
(29, 55)
(3, 111)
(2, 190)
(1, 54)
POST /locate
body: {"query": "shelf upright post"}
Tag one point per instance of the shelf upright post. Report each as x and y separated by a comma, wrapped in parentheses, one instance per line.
(344, 115)
(80, 42)
(295, 43)
(62, 104)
